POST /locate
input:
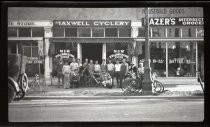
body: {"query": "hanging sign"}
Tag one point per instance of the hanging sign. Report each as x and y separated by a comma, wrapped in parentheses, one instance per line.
(118, 54)
(64, 54)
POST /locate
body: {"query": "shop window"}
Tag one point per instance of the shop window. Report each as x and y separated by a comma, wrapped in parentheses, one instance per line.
(27, 51)
(71, 32)
(84, 32)
(141, 32)
(58, 32)
(124, 32)
(174, 32)
(38, 32)
(158, 58)
(158, 32)
(188, 32)
(34, 51)
(111, 32)
(97, 32)
(24, 32)
(12, 32)
(200, 32)
(181, 59)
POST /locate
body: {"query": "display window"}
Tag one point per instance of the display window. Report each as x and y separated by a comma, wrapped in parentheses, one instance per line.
(58, 32)
(38, 32)
(24, 32)
(12, 32)
(124, 32)
(158, 58)
(97, 32)
(84, 32)
(182, 59)
(70, 32)
(111, 32)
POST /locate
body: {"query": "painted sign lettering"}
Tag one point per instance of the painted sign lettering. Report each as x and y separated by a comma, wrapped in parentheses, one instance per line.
(174, 21)
(91, 23)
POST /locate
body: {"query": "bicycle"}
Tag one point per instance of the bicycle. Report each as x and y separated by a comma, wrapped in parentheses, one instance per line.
(134, 84)
(38, 82)
(200, 81)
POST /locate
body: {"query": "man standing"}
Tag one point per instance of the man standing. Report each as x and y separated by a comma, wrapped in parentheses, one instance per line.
(85, 71)
(97, 68)
(73, 67)
(66, 72)
(59, 72)
(103, 66)
(117, 72)
(123, 71)
(110, 69)
(91, 70)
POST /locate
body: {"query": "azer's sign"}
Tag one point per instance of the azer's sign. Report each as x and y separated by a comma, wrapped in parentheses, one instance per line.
(174, 21)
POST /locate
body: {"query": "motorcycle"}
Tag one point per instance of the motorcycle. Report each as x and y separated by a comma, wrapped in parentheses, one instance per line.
(17, 78)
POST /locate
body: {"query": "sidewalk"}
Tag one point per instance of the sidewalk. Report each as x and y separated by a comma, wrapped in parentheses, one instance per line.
(52, 90)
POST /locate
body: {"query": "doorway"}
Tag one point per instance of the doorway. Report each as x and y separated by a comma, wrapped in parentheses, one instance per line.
(92, 51)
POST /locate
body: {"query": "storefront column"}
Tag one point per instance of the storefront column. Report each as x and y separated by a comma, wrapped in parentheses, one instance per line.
(47, 59)
(104, 51)
(196, 58)
(79, 51)
(134, 35)
(47, 67)
(135, 58)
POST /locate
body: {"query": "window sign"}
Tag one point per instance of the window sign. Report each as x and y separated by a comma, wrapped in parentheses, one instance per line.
(64, 54)
(118, 54)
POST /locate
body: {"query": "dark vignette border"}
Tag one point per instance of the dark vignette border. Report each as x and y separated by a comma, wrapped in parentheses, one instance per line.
(98, 4)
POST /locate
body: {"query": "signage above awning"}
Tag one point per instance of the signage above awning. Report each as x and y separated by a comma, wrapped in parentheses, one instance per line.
(92, 23)
(27, 23)
(93, 40)
(176, 21)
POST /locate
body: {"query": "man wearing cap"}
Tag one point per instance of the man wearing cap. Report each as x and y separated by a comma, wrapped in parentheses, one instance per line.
(123, 71)
(140, 71)
(103, 66)
(117, 71)
(110, 69)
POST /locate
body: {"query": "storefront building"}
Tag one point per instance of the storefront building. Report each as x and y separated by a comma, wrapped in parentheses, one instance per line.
(176, 38)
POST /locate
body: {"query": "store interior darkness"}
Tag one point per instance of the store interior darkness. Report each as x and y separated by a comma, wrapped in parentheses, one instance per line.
(92, 51)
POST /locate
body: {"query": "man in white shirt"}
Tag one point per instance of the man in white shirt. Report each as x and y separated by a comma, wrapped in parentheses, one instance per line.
(117, 72)
(97, 67)
(110, 69)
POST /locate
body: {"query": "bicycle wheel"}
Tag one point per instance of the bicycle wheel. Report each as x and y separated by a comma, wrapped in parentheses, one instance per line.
(158, 86)
(131, 85)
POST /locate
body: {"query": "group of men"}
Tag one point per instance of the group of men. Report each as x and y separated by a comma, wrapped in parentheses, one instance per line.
(117, 70)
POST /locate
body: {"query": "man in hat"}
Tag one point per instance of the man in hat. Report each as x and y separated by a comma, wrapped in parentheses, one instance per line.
(59, 72)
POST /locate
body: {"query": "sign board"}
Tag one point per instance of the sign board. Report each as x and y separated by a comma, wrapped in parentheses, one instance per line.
(118, 54)
(64, 54)
(92, 23)
(34, 60)
(176, 21)
(29, 23)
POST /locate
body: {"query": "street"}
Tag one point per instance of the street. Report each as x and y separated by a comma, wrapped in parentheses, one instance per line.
(142, 109)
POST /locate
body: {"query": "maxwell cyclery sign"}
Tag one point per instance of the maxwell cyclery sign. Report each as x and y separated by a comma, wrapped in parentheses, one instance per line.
(91, 23)
(176, 21)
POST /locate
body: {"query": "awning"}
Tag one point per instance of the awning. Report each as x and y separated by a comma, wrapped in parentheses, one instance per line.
(93, 40)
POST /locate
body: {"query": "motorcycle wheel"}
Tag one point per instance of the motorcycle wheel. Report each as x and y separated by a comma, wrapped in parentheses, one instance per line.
(23, 87)
(24, 82)
(11, 93)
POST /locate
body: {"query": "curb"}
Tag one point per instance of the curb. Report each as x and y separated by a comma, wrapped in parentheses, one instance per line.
(112, 97)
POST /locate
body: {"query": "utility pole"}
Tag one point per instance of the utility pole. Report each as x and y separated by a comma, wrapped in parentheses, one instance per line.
(147, 82)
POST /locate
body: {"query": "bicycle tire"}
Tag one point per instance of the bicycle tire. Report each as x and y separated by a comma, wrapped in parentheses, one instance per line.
(159, 85)
(131, 86)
